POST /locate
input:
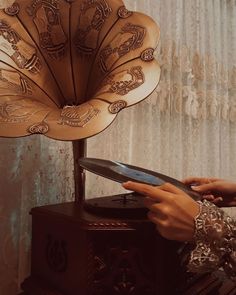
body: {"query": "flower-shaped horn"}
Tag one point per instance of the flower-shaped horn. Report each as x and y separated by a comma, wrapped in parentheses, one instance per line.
(67, 67)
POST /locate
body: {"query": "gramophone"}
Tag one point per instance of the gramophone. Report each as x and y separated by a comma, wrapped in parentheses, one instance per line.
(67, 68)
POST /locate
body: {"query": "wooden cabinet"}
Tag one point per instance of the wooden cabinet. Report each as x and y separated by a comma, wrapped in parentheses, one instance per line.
(75, 252)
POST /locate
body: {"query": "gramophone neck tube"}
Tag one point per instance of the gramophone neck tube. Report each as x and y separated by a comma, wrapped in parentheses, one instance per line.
(79, 150)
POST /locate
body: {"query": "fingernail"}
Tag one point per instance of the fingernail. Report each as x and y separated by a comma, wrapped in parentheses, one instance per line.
(209, 197)
(195, 188)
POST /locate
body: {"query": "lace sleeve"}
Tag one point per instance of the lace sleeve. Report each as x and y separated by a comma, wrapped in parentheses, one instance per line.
(215, 241)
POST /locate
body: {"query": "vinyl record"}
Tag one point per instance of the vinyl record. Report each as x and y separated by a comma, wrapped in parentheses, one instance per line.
(121, 172)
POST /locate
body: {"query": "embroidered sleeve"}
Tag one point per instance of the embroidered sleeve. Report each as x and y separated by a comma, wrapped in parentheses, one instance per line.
(215, 241)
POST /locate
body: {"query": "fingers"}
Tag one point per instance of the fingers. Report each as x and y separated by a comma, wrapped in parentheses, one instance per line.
(208, 197)
(158, 193)
(168, 229)
(199, 180)
(213, 198)
(155, 207)
(147, 190)
(157, 211)
(153, 217)
(173, 219)
(170, 188)
(149, 203)
(205, 187)
(196, 180)
(217, 200)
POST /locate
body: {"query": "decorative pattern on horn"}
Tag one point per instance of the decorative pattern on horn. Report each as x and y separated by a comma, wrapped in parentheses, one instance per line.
(67, 68)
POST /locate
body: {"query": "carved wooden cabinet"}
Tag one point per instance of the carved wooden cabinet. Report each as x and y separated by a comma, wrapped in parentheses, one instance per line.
(75, 252)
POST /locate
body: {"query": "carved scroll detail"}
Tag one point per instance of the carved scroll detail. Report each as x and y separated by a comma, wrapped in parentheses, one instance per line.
(39, 128)
(47, 19)
(93, 14)
(12, 10)
(19, 111)
(14, 82)
(99, 264)
(14, 112)
(117, 106)
(56, 254)
(78, 116)
(22, 53)
(123, 12)
(130, 38)
(123, 82)
(147, 54)
(119, 271)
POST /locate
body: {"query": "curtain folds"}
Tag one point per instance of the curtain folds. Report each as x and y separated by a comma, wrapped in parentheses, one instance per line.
(186, 127)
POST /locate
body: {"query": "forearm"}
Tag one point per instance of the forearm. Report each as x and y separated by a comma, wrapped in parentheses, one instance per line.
(215, 241)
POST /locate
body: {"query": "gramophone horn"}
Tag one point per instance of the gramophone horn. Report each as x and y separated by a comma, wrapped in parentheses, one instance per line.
(68, 67)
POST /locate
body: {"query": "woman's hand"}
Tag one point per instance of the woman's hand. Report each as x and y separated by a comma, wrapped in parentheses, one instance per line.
(172, 210)
(218, 191)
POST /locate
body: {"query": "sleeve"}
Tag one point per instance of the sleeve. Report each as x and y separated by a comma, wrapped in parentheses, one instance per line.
(215, 241)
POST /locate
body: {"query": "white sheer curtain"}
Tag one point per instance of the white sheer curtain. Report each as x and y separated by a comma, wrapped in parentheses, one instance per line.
(186, 127)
